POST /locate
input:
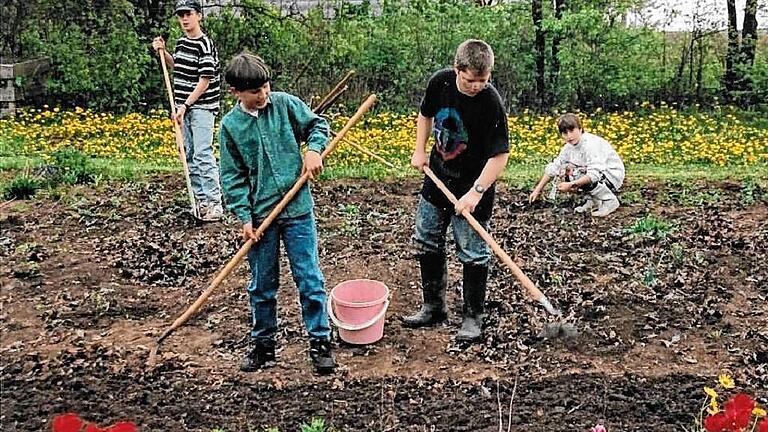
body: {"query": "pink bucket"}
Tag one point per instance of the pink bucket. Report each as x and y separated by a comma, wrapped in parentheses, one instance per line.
(358, 307)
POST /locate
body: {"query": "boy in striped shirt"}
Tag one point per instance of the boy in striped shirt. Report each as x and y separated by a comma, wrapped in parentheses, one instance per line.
(195, 64)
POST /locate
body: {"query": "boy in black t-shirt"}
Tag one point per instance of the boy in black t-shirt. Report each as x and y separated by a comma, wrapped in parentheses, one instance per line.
(467, 116)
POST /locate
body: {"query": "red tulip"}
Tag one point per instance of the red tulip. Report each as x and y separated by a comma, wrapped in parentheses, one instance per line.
(67, 423)
(763, 425)
(716, 423)
(122, 427)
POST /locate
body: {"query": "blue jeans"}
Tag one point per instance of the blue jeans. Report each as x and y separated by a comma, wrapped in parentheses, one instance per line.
(299, 236)
(197, 129)
(432, 226)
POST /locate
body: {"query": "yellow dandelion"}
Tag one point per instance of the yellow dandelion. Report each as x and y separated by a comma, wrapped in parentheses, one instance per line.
(759, 412)
(726, 381)
(710, 392)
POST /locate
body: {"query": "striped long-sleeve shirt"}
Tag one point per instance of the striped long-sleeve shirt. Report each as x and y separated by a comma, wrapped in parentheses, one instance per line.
(193, 59)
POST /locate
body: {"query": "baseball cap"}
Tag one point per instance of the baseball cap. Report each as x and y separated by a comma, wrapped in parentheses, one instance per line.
(188, 5)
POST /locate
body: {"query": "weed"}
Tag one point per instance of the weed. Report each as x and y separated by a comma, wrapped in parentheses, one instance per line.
(750, 193)
(649, 277)
(652, 227)
(678, 253)
(316, 425)
(351, 214)
(23, 186)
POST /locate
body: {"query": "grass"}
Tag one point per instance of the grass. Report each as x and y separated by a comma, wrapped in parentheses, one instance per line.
(516, 175)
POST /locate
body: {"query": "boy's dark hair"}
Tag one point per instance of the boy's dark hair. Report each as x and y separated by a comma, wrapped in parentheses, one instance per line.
(568, 122)
(247, 71)
(475, 55)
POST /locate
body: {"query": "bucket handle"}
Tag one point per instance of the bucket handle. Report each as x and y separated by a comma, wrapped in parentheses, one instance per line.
(355, 327)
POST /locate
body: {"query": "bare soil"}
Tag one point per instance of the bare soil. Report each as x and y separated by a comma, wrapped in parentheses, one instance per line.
(90, 279)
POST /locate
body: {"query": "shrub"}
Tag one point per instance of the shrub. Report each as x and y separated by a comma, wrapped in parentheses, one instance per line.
(23, 186)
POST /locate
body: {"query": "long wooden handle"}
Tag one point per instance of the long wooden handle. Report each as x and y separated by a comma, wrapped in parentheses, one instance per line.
(243, 251)
(334, 94)
(179, 138)
(362, 149)
(534, 292)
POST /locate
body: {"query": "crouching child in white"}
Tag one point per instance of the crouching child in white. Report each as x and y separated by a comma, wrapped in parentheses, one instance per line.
(586, 165)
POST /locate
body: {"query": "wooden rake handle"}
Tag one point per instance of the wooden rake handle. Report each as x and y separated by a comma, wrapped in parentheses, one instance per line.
(533, 292)
(243, 251)
(177, 132)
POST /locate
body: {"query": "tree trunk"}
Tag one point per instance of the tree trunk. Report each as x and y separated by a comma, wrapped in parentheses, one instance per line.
(555, 59)
(540, 47)
(732, 53)
(749, 34)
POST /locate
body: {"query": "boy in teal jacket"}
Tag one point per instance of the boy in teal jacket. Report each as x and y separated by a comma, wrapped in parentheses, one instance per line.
(261, 159)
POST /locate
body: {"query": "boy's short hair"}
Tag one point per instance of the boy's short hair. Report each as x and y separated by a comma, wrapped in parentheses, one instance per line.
(567, 122)
(474, 54)
(247, 71)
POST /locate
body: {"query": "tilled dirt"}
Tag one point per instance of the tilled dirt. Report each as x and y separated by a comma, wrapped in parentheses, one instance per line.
(90, 279)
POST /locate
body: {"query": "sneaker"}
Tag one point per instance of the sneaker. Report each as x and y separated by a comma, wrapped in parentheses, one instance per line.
(320, 353)
(588, 205)
(261, 356)
(211, 212)
(606, 207)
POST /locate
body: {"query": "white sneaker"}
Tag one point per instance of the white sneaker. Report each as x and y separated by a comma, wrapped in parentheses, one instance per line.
(587, 206)
(605, 199)
(211, 212)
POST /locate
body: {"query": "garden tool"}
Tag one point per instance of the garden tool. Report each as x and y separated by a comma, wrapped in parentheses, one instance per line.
(366, 151)
(240, 255)
(334, 94)
(553, 329)
(179, 138)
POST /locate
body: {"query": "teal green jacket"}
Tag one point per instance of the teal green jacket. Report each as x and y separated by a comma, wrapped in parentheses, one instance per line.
(261, 157)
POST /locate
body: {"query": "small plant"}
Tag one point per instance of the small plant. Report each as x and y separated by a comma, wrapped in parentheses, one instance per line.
(749, 193)
(351, 224)
(23, 186)
(316, 425)
(651, 226)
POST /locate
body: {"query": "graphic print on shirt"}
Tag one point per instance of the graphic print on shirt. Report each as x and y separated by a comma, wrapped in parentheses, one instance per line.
(450, 133)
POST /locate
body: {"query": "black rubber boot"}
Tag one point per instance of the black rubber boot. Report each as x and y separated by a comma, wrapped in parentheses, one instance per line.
(261, 356)
(434, 279)
(474, 287)
(320, 353)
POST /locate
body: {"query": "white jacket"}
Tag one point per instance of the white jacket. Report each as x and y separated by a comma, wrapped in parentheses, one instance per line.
(592, 156)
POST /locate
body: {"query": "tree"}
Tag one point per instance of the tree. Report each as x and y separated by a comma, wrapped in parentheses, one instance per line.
(740, 54)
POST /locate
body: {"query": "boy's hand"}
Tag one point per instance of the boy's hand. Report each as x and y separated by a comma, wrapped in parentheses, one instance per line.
(179, 116)
(468, 202)
(249, 233)
(565, 187)
(419, 159)
(158, 44)
(313, 164)
(534, 195)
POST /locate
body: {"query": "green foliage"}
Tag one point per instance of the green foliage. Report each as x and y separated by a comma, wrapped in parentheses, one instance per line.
(71, 166)
(316, 425)
(101, 56)
(23, 186)
(651, 227)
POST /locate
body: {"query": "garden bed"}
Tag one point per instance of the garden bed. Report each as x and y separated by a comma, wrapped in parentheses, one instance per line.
(663, 304)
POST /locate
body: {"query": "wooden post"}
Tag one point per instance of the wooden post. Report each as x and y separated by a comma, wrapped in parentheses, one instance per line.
(20, 83)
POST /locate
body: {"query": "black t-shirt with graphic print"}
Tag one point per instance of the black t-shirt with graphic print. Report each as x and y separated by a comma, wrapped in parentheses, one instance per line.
(468, 130)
